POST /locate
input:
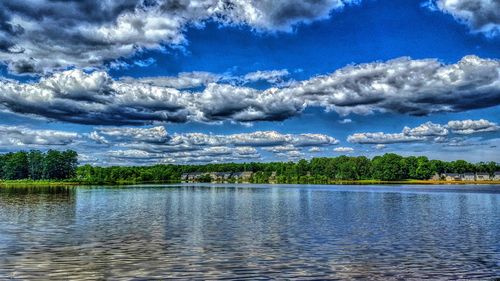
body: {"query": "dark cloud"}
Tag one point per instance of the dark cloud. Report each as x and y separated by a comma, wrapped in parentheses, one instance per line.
(405, 86)
(58, 34)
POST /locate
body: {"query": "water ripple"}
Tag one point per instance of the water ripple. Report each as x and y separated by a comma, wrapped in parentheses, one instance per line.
(247, 233)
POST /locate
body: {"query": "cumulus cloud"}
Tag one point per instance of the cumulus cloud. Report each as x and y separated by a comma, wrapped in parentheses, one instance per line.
(134, 154)
(294, 154)
(137, 144)
(208, 154)
(159, 136)
(466, 127)
(273, 138)
(41, 36)
(381, 138)
(271, 76)
(148, 135)
(97, 138)
(93, 98)
(20, 136)
(482, 16)
(150, 145)
(420, 133)
(281, 148)
(314, 149)
(426, 132)
(427, 129)
(416, 87)
(343, 149)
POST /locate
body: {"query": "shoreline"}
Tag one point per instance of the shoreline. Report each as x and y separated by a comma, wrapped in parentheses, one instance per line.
(30, 183)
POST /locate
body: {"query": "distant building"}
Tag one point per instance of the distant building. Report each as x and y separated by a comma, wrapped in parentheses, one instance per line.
(226, 175)
(496, 176)
(214, 176)
(272, 178)
(452, 177)
(220, 176)
(482, 176)
(217, 176)
(191, 177)
(242, 176)
(436, 177)
(468, 177)
(196, 175)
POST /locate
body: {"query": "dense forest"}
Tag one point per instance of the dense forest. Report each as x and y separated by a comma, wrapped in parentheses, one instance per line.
(61, 165)
(37, 165)
(317, 170)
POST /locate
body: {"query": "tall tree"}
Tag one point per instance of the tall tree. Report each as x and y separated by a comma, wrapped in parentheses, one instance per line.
(35, 164)
(16, 166)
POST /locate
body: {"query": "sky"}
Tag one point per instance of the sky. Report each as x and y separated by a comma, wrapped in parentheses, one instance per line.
(140, 82)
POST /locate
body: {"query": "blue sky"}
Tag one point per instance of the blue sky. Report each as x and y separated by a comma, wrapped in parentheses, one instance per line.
(147, 83)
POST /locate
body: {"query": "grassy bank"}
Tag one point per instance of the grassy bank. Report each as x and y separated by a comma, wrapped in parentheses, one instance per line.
(37, 183)
(22, 183)
(70, 183)
(412, 181)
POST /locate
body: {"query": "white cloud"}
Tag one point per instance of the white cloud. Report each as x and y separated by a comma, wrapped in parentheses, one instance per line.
(293, 154)
(97, 138)
(273, 138)
(215, 154)
(381, 138)
(314, 149)
(416, 87)
(256, 139)
(482, 16)
(343, 149)
(345, 121)
(466, 127)
(20, 136)
(271, 76)
(143, 145)
(148, 135)
(426, 132)
(134, 154)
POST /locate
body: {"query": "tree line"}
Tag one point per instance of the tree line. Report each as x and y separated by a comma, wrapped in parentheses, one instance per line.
(62, 165)
(38, 165)
(317, 170)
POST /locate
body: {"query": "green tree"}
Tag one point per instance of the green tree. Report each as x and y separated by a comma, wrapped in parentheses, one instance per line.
(424, 168)
(390, 166)
(35, 164)
(16, 166)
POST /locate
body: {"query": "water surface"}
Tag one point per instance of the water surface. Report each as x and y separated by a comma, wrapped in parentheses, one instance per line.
(250, 232)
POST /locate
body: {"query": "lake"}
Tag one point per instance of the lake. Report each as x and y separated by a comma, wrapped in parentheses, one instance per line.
(250, 232)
